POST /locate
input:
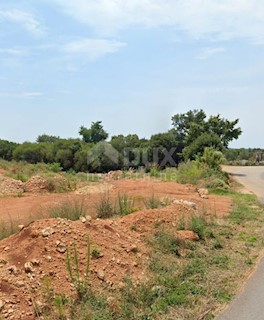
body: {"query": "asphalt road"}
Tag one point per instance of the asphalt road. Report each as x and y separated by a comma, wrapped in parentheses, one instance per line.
(249, 303)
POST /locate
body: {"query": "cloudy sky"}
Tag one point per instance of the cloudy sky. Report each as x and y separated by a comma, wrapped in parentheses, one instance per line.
(130, 63)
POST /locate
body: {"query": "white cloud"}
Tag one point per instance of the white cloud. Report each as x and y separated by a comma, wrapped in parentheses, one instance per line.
(32, 94)
(214, 19)
(209, 52)
(16, 52)
(24, 19)
(92, 49)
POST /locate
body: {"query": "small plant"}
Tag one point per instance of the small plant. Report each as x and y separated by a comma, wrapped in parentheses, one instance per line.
(218, 244)
(73, 267)
(60, 302)
(198, 225)
(168, 243)
(152, 202)
(133, 228)
(7, 229)
(125, 205)
(105, 209)
(96, 253)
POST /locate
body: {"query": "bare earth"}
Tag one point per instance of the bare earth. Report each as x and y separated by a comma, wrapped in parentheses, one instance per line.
(41, 245)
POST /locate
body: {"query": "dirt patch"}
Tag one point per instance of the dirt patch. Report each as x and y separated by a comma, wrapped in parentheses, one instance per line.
(37, 253)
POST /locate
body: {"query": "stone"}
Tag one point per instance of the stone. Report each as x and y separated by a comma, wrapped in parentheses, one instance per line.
(2, 303)
(61, 247)
(13, 270)
(28, 267)
(101, 275)
(47, 232)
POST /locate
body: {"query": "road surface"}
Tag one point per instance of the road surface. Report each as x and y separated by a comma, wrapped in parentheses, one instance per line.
(249, 304)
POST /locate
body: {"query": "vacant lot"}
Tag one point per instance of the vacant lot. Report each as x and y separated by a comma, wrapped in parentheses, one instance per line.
(160, 250)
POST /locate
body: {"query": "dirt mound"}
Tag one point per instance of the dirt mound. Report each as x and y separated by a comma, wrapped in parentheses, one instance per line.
(36, 184)
(37, 254)
(10, 187)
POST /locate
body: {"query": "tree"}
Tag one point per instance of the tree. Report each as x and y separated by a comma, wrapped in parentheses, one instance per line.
(47, 138)
(195, 130)
(6, 149)
(94, 134)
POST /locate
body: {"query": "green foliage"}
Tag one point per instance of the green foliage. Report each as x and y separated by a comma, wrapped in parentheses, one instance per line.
(200, 144)
(192, 124)
(47, 138)
(152, 202)
(94, 134)
(198, 225)
(191, 172)
(212, 158)
(96, 253)
(168, 243)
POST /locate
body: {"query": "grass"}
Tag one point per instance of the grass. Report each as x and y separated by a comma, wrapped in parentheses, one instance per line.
(71, 210)
(8, 228)
(187, 279)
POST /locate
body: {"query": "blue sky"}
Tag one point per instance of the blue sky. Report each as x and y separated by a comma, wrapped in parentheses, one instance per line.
(129, 63)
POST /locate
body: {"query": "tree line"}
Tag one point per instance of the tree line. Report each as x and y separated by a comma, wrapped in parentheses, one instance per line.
(94, 151)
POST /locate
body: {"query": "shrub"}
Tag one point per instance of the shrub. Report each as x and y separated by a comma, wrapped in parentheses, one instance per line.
(71, 210)
(125, 205)
(105, 209)
(152, 202)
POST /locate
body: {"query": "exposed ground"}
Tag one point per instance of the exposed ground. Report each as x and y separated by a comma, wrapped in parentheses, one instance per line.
(36, 255)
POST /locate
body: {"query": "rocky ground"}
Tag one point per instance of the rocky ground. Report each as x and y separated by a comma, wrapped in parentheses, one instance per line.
(38, 251)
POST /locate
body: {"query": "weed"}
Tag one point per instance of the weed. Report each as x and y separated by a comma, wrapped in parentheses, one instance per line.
(152, 202)
(133, 228)
(96, 253)
(168, 243)
(198, 225)
(8, 228)
(105, 208)
(125, 205)
(71, 210)
(73, 268)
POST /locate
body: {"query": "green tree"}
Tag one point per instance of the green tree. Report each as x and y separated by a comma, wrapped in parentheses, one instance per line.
(6, 149)
(94, 134)
(193, 124)
(47, 138)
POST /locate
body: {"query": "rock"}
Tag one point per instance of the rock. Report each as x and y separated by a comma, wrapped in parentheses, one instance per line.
(2, 303)
(61, 247)
(47, 232)
(185, 203)
(21, 227)
(35, 262)
(83, 219)
(20, 284)
(34, 234)
(101, 275)
(28, 267)
(188, 235)
(13, 270)
(203, 193)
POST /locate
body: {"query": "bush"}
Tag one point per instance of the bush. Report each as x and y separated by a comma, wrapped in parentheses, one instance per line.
(71, 210)
(191, 172)
(105, 209)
